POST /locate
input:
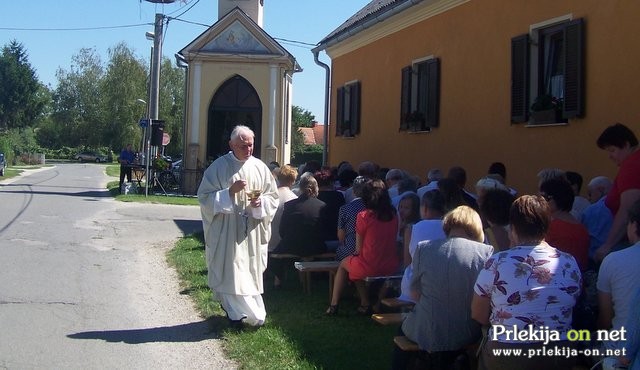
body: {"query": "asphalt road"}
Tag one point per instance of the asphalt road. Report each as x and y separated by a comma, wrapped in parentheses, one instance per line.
(84, 283)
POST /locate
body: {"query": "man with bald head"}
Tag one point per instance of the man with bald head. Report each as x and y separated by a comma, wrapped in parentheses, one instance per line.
(597, 218)
(238, 198)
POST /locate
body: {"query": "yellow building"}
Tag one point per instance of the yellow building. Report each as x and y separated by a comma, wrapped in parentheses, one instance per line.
(418, 84)
(237, 74)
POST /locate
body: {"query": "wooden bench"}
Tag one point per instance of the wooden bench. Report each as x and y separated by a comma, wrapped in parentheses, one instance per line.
(384, 278)
(305, 277)
(307, 267)
(462, 359)
(388, 318)
(406, 344)
(327, 255)
(397, 303)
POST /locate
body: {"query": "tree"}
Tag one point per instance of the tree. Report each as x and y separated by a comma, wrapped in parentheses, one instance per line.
(123, 83)
(21, 97)
(77, 104)
(300, 118)
(172, 104)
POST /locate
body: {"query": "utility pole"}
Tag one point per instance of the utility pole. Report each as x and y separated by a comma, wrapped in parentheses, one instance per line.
(154, 82)
(154, 91)
(155, 67)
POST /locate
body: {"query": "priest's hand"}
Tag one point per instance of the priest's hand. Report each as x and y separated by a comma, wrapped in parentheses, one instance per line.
(256, 202)
(237, 186)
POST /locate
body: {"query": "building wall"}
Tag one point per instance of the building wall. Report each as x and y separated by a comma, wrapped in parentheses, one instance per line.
(214, 74)
(473, 41)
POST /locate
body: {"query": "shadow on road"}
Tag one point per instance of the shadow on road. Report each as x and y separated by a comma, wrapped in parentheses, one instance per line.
(84, 194)
(191, 332)
(189, 227)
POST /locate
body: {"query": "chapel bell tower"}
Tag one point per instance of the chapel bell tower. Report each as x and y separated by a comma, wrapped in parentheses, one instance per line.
(253, 8)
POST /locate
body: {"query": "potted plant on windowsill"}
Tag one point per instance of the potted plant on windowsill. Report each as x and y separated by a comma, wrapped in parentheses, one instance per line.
(546, 109)
(415, 121)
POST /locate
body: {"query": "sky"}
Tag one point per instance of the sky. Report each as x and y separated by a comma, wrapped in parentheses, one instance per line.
(37, 25)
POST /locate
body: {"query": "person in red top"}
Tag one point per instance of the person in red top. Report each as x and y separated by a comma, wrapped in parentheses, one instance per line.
(622, 145)
(376, 252)
(565, 232)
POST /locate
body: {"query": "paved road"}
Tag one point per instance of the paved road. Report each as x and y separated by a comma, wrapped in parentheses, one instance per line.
(83, 279)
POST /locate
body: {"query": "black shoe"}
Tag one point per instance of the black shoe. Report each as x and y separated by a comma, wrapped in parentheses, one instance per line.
(364, 310)
(332, 310)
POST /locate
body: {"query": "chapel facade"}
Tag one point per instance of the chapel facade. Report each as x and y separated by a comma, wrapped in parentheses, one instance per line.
(237, 74)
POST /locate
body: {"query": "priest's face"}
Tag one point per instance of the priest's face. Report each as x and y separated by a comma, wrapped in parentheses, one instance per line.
(242, 147)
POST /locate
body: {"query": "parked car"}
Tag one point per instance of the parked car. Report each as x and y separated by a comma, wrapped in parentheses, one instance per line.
(3, 164)
(91, 157)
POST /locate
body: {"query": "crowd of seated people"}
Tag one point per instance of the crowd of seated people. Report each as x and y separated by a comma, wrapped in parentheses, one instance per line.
(547, 246)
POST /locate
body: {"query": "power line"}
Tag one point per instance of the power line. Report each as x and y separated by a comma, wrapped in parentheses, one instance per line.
(181, 14)
(295, 42)
(287, 41)
(76, 29)
(305, 44)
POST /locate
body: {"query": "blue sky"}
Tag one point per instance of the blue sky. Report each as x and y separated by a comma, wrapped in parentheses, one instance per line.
(300, 20)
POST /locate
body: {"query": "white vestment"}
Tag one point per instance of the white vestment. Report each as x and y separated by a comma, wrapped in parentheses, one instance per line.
(236, 234)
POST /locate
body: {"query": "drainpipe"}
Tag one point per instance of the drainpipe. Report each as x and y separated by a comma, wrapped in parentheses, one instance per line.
(182, 63)
(327, 90)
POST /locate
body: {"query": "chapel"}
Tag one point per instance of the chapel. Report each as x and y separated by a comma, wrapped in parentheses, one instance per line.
(236, 74)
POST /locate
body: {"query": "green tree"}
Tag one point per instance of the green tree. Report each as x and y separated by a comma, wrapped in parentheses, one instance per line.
(22, 100)
(123, 83)
(77, 106)
(171, 108)
(300, 118)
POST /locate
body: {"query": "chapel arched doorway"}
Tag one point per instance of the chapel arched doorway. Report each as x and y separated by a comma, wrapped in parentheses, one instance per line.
(235, 102)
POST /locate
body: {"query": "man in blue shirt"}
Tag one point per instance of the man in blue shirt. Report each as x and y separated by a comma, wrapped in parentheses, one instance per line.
(126, 158)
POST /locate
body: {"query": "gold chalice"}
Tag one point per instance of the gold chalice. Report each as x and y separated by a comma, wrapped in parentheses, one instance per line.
(253, 194)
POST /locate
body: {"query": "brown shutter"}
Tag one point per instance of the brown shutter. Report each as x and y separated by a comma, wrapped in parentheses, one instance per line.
(355, 108)
(573, 69)
(339, 111)
(520, 78)
(433, 93)
(405, 97)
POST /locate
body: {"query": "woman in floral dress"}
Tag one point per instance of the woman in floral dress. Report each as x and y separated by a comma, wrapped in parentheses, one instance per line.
(527, 294)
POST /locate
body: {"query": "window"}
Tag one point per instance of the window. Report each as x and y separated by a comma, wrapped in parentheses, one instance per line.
(348, 110)
(420, 96)
(547, 71)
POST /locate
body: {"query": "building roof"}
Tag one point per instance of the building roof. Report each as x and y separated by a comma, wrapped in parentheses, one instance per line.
(376, 11)
(313, 135)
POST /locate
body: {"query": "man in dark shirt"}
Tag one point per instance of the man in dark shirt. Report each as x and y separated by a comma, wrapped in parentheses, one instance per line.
(126, 158)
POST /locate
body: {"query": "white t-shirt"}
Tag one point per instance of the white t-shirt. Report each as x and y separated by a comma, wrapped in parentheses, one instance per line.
(620, 276)
(424, 230)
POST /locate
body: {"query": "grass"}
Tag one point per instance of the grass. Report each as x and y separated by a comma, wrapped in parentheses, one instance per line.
(112, 186)
(10, 172)
(297, 334)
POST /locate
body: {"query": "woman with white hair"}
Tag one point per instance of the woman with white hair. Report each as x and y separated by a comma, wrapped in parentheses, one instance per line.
(301, 225)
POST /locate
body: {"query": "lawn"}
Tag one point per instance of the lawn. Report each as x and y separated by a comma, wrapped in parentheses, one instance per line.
(152, 197)
(297, 334)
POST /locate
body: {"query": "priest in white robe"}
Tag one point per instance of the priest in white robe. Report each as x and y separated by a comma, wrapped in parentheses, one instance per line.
(236, 228)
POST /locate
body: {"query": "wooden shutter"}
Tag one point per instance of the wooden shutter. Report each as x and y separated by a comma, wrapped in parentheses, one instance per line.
(432, 118)
(520, 78)
(573, 69)
(339, 110)
(354, 116)
(405, 97)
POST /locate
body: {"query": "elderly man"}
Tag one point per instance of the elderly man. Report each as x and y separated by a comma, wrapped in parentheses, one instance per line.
(238, 199)
(597, 218)
(392, 179)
